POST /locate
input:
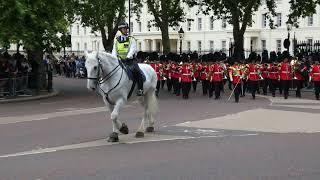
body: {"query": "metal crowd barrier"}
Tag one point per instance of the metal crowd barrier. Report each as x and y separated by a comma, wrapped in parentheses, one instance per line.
(14, 85)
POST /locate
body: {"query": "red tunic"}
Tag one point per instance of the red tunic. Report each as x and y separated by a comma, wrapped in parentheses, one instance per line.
(204, 72)
(186, 73)
(156, 68)
(264, 71)
(236, 74)
(285, 71)
(315, 72)
(273, 72)
(217, 71)
(253, 74)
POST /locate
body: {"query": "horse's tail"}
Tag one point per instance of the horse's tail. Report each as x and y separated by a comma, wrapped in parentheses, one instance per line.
(152, 103)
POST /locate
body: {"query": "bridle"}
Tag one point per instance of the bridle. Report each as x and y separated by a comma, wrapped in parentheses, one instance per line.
(100, 80)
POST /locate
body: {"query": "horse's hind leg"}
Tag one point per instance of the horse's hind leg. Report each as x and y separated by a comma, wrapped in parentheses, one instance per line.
(151, 107)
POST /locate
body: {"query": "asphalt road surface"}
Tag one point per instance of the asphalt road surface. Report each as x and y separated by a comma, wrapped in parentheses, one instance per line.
(64, 138)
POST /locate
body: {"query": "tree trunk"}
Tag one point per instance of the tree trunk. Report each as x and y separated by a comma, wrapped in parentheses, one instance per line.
(238, 44)
(38, 76)
(107, 41)
(165, 38)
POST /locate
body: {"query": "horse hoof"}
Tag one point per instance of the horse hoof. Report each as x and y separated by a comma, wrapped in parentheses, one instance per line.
(139, 134)
(113, 137)
(150, 129)
(124, 129)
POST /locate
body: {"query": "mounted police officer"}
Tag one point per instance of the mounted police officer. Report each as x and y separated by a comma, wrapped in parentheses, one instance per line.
(124, 48)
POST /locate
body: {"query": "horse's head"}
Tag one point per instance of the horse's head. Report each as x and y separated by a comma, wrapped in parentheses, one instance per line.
(93, 67)
(98, 65)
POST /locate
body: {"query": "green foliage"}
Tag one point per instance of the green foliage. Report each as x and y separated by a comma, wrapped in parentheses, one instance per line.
(100, 14)
(301, 8)
(33, 23)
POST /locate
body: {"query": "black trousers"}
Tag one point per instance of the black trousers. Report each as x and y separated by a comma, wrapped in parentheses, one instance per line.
(205, 87)
(253, 87)
(237, 92)
(285, 87)
(299, 85)
(265, 86)
(244, 86)
(273, 83)
(279, 85)
(186, 86)
(158, 87)
(134, 67)
(194, 85)
(211, 88)
(176, 87)
(316, 88)
(218, 86)
(169, 84)
(162, 83)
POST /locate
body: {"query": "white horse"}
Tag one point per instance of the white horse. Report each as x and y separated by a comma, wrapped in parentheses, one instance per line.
(107, 76)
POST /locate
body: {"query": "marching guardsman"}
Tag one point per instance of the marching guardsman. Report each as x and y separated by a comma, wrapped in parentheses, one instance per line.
(273, 76)
(244, 69)
(195, 70)
(298, 69)
(177, 75)
(315, 77)
(235, 75)
(217, 78)
(156, 67)
(169, 71)
(253, 77)
(185, 79)
(174, 75)
(204, 70)
(162, 70)
(285, 76)
(264, 75)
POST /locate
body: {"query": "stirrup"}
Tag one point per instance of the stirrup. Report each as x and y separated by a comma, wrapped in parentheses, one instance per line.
(140, 92)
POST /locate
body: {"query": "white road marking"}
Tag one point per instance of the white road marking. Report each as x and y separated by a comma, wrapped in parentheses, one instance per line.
(103, 142)
(45, 116)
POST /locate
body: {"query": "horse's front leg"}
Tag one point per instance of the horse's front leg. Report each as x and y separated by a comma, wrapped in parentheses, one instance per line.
(117, 125)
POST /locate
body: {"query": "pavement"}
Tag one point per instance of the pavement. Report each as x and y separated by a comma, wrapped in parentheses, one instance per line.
(64, 137)
(23, 98)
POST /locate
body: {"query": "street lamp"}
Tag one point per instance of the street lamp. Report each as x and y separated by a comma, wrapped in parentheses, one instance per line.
(181, 34)
(286, 42)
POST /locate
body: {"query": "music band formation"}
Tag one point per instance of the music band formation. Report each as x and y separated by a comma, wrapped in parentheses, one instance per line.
(182, 72)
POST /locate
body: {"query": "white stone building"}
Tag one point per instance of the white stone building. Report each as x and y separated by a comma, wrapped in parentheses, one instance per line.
(204, 34)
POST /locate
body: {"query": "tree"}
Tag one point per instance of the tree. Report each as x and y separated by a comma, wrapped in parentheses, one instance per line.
(166, 13)
(301, 8)
(237, 13)
(101, 15)
(36, 25)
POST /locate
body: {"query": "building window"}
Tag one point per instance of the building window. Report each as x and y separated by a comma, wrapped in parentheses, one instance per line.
(131, 27)
(278, 45)
(98, 45)
(211, 46)
(78, 30)
(189, 25)
(158, 29)
(78, 46)
(224, 23)
(211, 23)
(84, 31)
(310, 41)
(189, 46)
(139, 26)
(85, 46)
(310, 20)
(264, 20)
(279, 19)
(224, 46)
(140, 46)
(199, 46)
(263, 44)
(70, 29)
(149, 26)
(199, 24)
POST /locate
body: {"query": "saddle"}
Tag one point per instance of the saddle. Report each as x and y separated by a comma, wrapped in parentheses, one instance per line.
(130, 73)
